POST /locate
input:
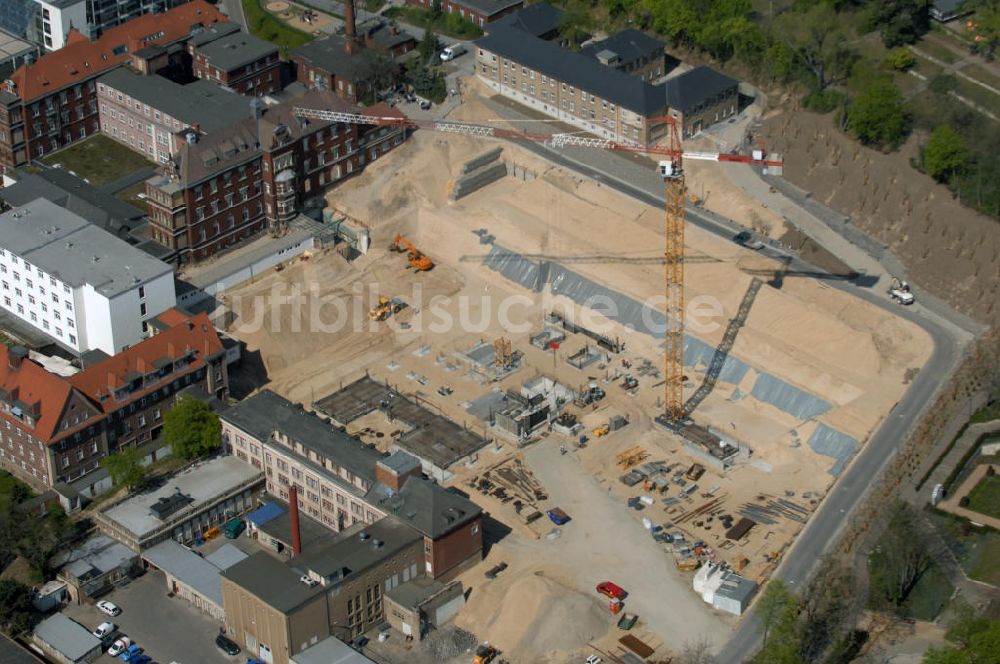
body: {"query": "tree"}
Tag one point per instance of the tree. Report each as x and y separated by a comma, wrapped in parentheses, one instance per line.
(818, 44)
(983, 647)
(674, 19)
(191, 428)
(435, 9)
(878, 115)
(125, 468)
(697, 651)
(429, 46)
(900, 59)
(379, 73)
(898, 21)
(944, 154)
(987, 37)
(777, 609)
(899, 559)
(16, 609)
(828, 611)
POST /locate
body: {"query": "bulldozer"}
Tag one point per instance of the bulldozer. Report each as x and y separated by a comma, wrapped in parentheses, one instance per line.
(386, 307)
(485, 653)
(418, 261)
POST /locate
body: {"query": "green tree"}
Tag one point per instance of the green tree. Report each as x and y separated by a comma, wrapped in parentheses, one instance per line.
(777, 609)
(898, 21)
(878, 115)
(191, 428)
(983, 647)
(125, 468)
(16, 609)
(379, 73)
(818, 44)
(435, 10)
(900, 59)
(676, 20)
(987, 37)
(898, 561)
(429, 46)
(945, 154)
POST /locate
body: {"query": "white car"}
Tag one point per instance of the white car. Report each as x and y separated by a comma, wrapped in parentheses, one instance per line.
(108, 608)
(104, 629)
(593, 659)
(119, 646)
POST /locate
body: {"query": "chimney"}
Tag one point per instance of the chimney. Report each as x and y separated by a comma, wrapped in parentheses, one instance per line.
(350, 29)
(15, 356)
(293, 510)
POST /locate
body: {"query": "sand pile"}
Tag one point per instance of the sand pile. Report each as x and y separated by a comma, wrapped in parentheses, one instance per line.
(535, 616)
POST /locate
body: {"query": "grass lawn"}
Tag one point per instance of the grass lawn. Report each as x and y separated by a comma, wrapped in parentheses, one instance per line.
(977, 94)
(131, 195)
(991, 411)
(977, 549)
(451, 25)
(983, 562)
(980, 74)
(374, 5)
(937, 51)
(929, 596)
(99, 160)
(269, 28)
(985, 497)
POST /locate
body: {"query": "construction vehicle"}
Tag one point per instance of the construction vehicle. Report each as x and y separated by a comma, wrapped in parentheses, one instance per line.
(602, 431)
(386, 307)
(485, 653)
(900, 292)
(671, 170)
(688, 564)
(418, 260)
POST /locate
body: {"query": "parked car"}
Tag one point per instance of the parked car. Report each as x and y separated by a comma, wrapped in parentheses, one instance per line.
(227, 645)
(593, 659)
(452, 52)
(109, 608)
(119, 646)
(611, 590)
(747, 239)
(130, 652)
(558, 516)
(139, 658)
(104, 629)
(234, 528)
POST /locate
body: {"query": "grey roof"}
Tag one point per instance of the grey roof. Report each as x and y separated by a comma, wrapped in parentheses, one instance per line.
(66, 246)
(218, 152)
(577, 70)
(412, 593)
(329, 55)
(430, 508)
(187, 567)
(236, 50)
(199, 103)
(537, 20)
(272, 582)
(349, 554)
(629, 45)
(696, 86)
(11, 46)
(78, 196)
(400, 462)
(216, 31)
(95, 556)
(203, 482)
(737, 588)
(947, 7)
(66, 636)
(266, 412)
(226, 556)
(280, 527)
(12, 653)
(330, 650)
(488, 7)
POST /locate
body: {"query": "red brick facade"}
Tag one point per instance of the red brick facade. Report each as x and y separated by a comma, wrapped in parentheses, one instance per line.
(444, 556)
(478, 16)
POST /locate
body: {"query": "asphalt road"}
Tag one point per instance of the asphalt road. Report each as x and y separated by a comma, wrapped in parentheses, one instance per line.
(823, 528)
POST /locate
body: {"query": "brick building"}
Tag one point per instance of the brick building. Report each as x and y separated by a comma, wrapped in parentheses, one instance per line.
(700, 97)
(342, 483)
(479, 12)
(52, 102)
(256, 174)
(241, 62)
(57, 429)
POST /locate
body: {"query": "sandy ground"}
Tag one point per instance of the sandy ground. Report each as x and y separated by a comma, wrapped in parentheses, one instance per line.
(950, 249)
(309, 324)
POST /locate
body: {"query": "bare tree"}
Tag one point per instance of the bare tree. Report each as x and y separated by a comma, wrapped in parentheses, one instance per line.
(697, 651)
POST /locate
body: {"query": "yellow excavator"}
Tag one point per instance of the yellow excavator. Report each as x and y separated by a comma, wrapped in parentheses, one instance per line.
(386, 307)
(485, 654)
(418, 260)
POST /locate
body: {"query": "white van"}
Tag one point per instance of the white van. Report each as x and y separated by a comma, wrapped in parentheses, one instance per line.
(452, 52)
(104, 629)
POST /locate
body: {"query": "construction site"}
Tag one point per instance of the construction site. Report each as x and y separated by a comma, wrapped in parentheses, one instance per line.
(506, 326)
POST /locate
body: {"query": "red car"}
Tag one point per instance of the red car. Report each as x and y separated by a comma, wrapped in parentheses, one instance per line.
(611, 590)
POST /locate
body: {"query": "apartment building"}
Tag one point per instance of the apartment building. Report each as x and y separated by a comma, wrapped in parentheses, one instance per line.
(241, 62)
(258, 173)
(700, 97)
(81, 286)
(479, 12)
(52, 102)
(148, 112)
(571, 87)
(633, 52)
(341, 483)
(57, 429)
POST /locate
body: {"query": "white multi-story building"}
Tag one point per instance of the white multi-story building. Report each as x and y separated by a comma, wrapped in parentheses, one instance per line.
(77, 283)
(56, 17)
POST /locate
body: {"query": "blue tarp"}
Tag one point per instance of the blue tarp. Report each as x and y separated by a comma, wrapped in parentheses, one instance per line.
(265, 513)
(830, 442)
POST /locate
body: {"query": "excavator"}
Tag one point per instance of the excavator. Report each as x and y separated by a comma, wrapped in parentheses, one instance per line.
(418, 260)
(385, 308)
(485, 653)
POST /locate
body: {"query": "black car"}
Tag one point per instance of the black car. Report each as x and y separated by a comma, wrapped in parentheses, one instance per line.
(227, 645)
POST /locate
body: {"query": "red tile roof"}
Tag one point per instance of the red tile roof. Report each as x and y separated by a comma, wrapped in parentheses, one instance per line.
(81, 59)
(193, 333)
(34, 385)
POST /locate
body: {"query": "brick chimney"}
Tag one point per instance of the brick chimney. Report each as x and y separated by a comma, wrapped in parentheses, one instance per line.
(15, 356)
(350, 29)
(293, 511)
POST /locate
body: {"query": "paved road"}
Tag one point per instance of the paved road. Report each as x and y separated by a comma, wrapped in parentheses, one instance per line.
(822, 530)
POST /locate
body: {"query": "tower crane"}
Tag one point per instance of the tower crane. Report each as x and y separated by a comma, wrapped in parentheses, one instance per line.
(671, 168)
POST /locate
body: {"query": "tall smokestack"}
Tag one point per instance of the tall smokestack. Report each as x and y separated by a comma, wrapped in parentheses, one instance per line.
(350, 29)
(293, 507)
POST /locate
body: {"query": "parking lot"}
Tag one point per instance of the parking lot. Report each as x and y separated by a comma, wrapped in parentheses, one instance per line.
(169, 629)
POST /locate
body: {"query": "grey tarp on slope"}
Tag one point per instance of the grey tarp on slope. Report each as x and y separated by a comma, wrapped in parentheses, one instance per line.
(830, 442)
(788, 398)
